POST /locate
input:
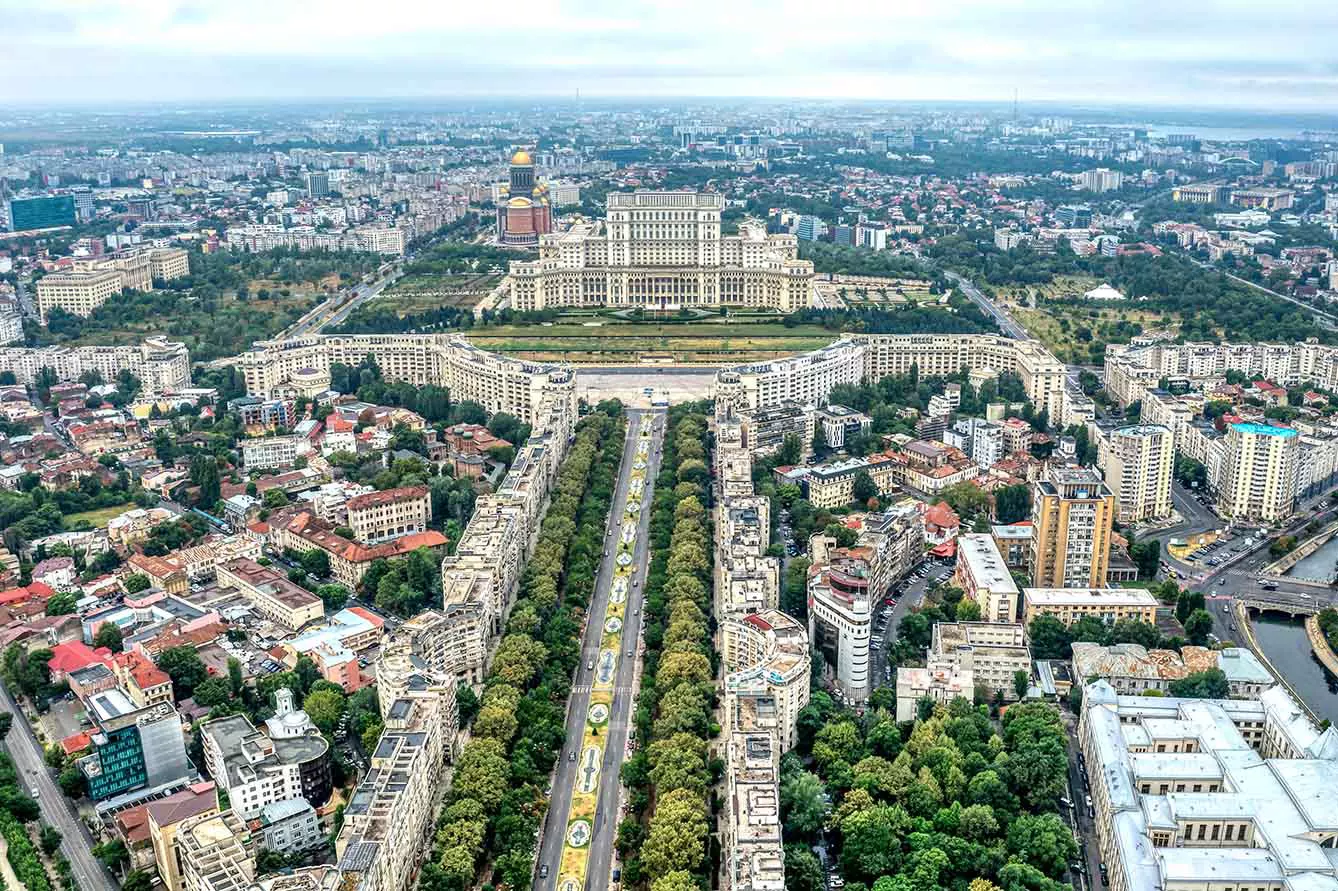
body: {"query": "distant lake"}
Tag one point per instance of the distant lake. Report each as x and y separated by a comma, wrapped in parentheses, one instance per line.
(1225, 134)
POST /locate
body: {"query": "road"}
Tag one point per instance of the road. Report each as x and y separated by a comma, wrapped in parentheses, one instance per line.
(565, 774)
(1005, 321)
(912, 595)
(1325, 319)
(23, 747)
(321, 316)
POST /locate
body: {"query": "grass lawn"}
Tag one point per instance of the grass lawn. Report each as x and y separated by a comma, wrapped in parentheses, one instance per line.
(613, 341)
(419, 293)
(1080, 334)
(100, 517)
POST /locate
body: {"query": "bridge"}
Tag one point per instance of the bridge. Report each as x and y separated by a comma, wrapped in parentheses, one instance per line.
(1289, 604)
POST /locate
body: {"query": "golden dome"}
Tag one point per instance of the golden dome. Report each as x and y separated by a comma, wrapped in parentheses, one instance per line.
(521, 158)
(519, 202)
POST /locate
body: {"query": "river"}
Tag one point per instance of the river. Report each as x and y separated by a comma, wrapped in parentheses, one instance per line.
(1318, 566)
(1285, 644)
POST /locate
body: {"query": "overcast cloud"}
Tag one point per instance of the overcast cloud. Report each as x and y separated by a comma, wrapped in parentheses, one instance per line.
(1279, 54)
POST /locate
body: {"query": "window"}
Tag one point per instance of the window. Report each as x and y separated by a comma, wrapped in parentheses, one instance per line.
(1203, 829)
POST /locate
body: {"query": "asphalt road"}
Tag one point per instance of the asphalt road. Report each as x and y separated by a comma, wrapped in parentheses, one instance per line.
(23, 747)
(565, 774)
(912, 595)
(1006, 323)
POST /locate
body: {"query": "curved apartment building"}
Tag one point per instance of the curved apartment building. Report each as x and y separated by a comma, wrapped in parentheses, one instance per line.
(663, 251)
(808, 378)
(765, 655)
(496, 382)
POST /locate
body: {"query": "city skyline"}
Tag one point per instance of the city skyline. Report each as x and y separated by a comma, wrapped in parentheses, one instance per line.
(974, 52)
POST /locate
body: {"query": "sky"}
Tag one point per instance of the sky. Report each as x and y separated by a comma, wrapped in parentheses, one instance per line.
(1181, 53)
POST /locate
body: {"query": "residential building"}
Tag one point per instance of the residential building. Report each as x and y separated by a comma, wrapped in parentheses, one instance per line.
(390, 816)
(754, 858)
(1209, 794)
(1109, 605)
(390, 513)
(144, 682)
(1013, 542)
(984, 577)
(498, 383)
(809, 378)
(840, 616)
(165, 817)
(1138, 463)
(271, 452)
(992, 652)
(840, 423)
(217, 853)
(765, 430)
(1259, 468)
(664, 251)
(77, 293)
(1101, 179)
(1133, 670)
(271, 594)
(1072, 512)
(290, 827)
(256, 769)
(767, 668)
(940, 681)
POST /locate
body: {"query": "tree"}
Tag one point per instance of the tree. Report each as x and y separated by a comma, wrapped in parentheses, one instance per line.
(1044, 841)
(803, 805)
(1049, 638)
(62, 603)
(1197, 626)
(316, 562)
(109, 635)
(6, 721)
(863, 487)
(275, 498)
(204, 474)
(135, 583)
(324, 708)
(184, 667)
(1209, 684)
(212, 692)
(1021, 681)
(1012, 504)
(50, 840)
(676, 839)
(112, 854)
(235, 680)
(803, 872)
(790, 452)
(137, 880)
(71, 782)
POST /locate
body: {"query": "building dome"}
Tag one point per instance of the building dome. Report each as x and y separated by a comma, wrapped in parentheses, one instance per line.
(518, 202)
(521, 158)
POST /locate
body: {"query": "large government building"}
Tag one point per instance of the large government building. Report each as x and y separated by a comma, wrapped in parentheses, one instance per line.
(663, 251)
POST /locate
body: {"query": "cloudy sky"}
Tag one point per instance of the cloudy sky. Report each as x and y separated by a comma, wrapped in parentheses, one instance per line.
(1243, 53)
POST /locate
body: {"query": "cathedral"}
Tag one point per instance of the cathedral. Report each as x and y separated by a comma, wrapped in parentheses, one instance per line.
(523, 208)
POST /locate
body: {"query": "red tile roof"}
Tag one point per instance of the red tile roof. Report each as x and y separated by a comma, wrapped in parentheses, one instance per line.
(75, 654)
(387, 496)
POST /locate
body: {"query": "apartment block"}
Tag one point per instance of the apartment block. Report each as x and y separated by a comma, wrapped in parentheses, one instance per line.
(941, 681)
(753, 855)
(1259, 466)
(269, 592)
(1138, 464)
(992, 652)
(271, 452)
(164, 818)
(767, 665)
(78, 293)
(257, 768)
(217, 853)
(390, 513)
(1072, 512)
(983, 575)
(1110, 605)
